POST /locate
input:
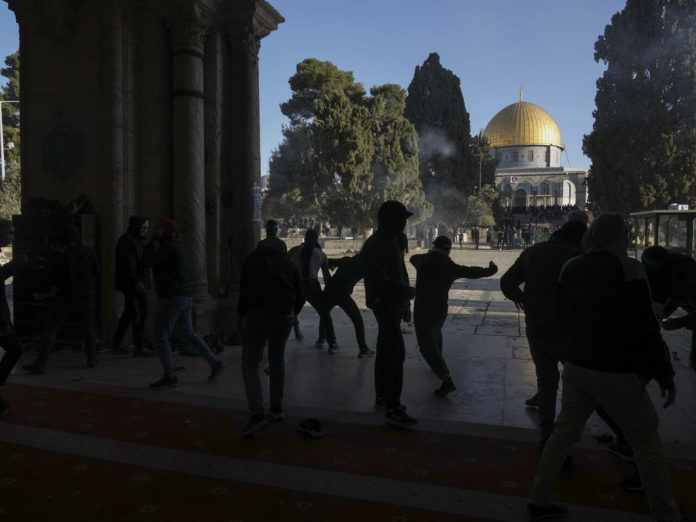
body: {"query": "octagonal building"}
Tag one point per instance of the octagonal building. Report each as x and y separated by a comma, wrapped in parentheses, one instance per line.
(527, 143)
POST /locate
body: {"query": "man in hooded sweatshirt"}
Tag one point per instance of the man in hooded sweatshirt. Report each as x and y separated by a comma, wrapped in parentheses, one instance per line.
(131, 280)
(435, 273)
(538, 268)
(614, 345)
(388, 294)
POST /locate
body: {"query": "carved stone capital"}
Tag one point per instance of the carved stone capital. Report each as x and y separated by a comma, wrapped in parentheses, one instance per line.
(189, 32)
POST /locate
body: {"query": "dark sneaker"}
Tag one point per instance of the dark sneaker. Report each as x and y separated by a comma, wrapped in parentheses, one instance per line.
(4, 407)
(333, 347)
(312, 428)
(536, 512)
(256, 423)
(399, 417)
(532, 403)
(216, 370)
(34, 369)
(632, 483)
(319, 344)
(623, 451)
(165, 382)
(380, 402)
(365, 352)
(275, 414)
(447, 387)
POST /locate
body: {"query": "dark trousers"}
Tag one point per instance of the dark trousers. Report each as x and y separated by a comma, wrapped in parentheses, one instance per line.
(135, 313)
(391, 352)
(316, 298)
(13, 351)
(429, 337)
(60, 309)
(339, 296)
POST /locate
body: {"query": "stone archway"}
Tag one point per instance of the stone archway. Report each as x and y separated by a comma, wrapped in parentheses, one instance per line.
(520, 198)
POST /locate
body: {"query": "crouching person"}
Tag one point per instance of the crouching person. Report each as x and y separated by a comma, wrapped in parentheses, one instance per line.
(270, 295)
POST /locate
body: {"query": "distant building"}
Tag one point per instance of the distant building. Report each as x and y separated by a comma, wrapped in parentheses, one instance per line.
(527, 143)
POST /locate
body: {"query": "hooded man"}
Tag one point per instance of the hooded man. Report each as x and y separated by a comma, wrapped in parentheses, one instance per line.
(131, 280)
(614, 345)
(167, 256)
(435, 273)
(538, 267)
(270, 295)
(388, 294)
(272, 240)
(8, 338)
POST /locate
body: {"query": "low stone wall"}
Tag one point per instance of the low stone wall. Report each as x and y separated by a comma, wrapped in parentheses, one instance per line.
(345, 245)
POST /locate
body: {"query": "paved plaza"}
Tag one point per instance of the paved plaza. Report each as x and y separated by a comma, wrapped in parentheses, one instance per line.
(484, 345)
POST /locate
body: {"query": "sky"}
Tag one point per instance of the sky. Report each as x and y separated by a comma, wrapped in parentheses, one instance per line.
(493, 46)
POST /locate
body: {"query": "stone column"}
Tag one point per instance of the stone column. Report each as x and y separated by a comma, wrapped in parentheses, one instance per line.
(188, 142)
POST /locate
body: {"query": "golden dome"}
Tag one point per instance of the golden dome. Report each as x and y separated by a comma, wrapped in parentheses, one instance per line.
(523, 123)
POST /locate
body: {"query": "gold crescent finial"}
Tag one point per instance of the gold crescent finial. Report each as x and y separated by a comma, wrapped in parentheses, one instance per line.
(521, 92)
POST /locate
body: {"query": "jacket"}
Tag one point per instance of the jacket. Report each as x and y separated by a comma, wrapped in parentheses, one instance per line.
(386, 279)
(129, 262)
(269, 283)
(538, 267)
(169, 263)
(435, 274)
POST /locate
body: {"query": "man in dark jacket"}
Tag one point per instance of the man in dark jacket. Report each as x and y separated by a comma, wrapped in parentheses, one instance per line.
(8, 338)
(270, 295)
(614, 345)
(272, 240)
(131, 280)
(435, 273)
(166, 255)
(388, 294)
(338, 290)
(73, 273)
(538, 268)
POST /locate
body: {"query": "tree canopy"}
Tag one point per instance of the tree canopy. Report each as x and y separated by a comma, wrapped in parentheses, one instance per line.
(344, 152)
(448, 169)
(643, 142)
(10, 111)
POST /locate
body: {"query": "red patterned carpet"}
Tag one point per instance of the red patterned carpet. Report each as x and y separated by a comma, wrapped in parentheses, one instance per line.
(38, 485)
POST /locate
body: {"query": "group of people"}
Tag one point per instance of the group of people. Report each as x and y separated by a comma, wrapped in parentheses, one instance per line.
(275, 285)
(589, 306)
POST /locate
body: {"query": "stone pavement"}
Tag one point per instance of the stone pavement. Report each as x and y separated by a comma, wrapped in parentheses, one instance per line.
(484, 344)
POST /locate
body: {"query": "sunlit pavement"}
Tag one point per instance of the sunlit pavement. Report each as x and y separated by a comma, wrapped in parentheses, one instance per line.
(484, 345)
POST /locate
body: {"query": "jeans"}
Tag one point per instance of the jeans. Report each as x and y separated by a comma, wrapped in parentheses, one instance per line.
(175, 312)
(260, 328)
(429, 337)
(316, 298)
(13, 351)
(623, 396)
(391, 352)
(546, 356)
(135, 313)
(59, 312)
(339, 296)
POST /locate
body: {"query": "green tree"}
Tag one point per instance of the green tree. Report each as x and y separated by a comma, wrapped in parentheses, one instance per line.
(344, 152)
(11, 191)
(643, 142)
(10, 111)
(484, 208)
(484, 164)
(435, 106)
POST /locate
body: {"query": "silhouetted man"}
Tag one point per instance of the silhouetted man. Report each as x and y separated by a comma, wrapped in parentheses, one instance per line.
(272, 240)
(8, 338)
(614, 345)
(270, 296)
(388, 294)
(73, 272)
(435, 273)
(166, 255)
(131, 280)
(338, 290)
(538, 268)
